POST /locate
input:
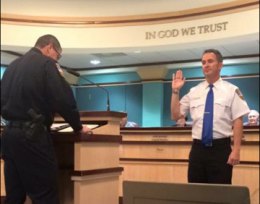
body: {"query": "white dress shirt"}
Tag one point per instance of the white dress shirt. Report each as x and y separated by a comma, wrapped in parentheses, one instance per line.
(228, 106)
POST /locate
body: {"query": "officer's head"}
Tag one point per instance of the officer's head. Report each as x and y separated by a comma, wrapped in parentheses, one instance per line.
(217, 53)
(49, 46)
(212, 62)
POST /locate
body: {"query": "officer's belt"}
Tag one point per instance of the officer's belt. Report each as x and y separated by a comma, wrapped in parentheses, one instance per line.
(19, 124)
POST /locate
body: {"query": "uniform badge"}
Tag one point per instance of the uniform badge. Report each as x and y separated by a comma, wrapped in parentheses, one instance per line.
(239, 94)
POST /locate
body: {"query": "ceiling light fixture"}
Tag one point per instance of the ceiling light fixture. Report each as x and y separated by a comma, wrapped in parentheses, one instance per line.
(95, 62)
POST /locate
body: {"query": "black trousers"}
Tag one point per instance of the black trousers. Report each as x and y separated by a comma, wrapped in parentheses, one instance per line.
(209, 164)
(30, 167)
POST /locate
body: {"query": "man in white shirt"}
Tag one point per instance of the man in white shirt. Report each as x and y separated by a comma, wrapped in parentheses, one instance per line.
(213, 163)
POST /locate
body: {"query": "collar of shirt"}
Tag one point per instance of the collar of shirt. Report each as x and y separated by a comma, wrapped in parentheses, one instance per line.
(216, 85)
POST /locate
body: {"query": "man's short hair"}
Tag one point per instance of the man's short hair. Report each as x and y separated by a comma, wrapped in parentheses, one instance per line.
(216, 52)
(48, 39)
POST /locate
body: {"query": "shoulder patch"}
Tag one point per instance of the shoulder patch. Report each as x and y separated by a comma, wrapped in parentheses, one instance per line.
(238, 92)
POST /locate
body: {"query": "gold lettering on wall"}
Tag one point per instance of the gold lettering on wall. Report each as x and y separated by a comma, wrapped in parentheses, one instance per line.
(195, 30)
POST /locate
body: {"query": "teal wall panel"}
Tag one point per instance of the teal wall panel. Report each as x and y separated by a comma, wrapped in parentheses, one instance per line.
(242, 69)
(152, 104)
(250, 90)
(95, 99)
(111, 78)
(127, 98)
(133, 103)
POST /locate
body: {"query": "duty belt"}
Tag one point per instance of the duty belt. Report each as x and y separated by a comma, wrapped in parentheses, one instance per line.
(18, 124)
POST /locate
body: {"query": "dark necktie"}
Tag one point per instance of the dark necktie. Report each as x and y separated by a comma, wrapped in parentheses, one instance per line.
(207, 131)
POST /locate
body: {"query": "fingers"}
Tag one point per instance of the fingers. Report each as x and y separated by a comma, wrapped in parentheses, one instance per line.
(177, 75)
(86, 129)
(178, 80)
(233, 162)
(88, 132)
(236, 162)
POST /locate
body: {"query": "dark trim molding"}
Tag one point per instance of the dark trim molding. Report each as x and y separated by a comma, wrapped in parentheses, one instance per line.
(156, 142)
(120, 200)
(142, 129)
(176, 160)
(96, 114)
(126, 129)
(69, 137)
(97, 171)
(153, 160)
(102, 114)
(175, 142)
(98, 138)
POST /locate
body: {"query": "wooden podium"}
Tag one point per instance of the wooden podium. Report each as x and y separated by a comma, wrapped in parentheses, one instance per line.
(89, 163)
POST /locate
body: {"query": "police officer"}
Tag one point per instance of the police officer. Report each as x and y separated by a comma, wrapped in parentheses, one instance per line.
(32, 91)
(211, 163)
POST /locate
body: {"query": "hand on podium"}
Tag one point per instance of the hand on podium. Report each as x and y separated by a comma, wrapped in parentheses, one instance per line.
(85, 129)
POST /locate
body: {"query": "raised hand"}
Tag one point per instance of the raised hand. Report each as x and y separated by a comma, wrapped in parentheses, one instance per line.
(177, 80)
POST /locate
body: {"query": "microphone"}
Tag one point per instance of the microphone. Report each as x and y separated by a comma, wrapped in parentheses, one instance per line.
(97, 85)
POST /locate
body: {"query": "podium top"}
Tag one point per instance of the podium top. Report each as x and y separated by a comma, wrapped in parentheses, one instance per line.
(96, 116)
(102, 114)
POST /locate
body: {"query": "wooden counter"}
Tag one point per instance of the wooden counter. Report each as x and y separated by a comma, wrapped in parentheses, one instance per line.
(161, 155)
(145, 154)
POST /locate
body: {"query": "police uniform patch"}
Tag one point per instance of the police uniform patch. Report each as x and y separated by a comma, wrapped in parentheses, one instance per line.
(239, 94)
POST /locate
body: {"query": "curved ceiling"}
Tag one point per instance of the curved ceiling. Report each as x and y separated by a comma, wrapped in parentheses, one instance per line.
(101, 8)
(102, 11)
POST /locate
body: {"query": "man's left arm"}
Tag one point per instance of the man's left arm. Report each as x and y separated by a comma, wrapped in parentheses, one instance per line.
(234, 156)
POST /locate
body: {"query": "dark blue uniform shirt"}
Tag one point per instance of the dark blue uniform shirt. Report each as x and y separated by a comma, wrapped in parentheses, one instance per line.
(33, 81)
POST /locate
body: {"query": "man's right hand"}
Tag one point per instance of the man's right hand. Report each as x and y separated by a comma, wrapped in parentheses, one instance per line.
(85, 129)
(177, 80)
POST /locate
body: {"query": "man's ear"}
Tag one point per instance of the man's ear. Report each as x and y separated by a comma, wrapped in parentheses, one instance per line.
(46, 50)
(220, 65)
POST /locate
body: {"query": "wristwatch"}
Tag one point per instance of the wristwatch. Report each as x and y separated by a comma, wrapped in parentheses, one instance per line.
(175, 91)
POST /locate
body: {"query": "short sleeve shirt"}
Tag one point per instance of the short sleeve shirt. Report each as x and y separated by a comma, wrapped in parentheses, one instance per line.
(228, 106)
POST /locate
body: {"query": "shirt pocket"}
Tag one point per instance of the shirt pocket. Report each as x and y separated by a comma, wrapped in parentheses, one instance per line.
(222, 109)
(197, 109)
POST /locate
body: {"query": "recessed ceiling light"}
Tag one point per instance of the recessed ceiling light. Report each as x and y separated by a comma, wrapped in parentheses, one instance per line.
(95, 62)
